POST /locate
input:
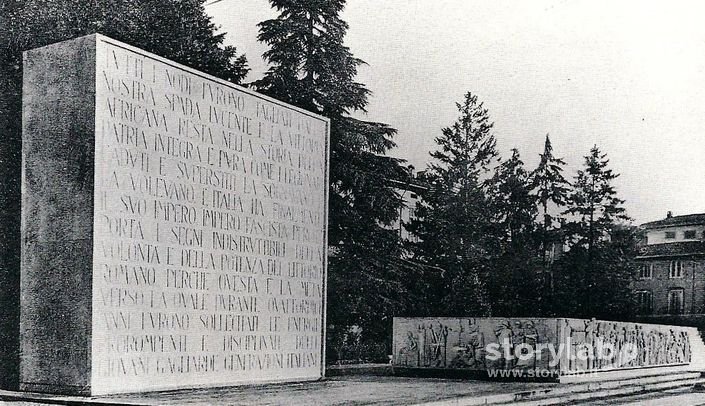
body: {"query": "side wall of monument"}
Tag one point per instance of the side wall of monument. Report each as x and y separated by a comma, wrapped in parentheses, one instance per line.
(9, 245)
(10, 164)
(57, 216)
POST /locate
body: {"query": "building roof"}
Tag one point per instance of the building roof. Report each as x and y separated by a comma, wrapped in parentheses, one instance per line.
(411, 185)
(686, 220)
(674, 249)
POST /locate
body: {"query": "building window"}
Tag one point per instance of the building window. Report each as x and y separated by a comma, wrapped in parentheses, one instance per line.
(675, 269)
(675, 301)
(689, 234)
(670, 235)
(646, 271)
(644, 301)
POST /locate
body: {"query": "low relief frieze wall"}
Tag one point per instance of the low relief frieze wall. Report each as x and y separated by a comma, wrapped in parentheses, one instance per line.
(549, 346)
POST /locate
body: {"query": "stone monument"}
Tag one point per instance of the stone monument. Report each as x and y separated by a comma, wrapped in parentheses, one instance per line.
(173, 227)
(552, 348)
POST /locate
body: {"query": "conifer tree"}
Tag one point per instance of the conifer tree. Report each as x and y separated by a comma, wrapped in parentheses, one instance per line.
(550, 187)
(514, 206)
(593, 202)
(594, 275)
(311, 67)
(514, 289)
(454, 225)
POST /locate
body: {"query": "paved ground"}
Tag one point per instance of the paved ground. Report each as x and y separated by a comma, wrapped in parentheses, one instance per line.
(369, 390)
(680, 397)
(344, 390)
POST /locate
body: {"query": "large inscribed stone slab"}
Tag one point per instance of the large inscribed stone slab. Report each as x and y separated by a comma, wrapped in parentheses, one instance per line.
(174, 226)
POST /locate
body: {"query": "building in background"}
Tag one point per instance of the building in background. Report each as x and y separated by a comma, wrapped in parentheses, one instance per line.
(671, 273)
(409, 191)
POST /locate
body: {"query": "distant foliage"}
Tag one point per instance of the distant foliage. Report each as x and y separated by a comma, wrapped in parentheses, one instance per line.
(176, 29)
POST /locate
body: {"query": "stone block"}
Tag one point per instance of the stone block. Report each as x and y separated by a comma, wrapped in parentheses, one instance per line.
(174, 227)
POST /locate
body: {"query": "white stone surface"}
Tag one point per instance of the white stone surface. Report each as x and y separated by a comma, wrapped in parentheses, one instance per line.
(210, 230)
(176, 227)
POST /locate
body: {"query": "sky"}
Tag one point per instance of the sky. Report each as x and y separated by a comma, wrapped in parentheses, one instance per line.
(628, 76)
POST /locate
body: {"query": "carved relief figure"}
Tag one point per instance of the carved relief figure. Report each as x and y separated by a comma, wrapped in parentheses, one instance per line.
(531, 337)
(409, 354)
(641, 346)
(422, 345)
(432, 344)
(686, 347)
(590, 343)
(505, 338)
(468, 352)
(524, 342)
(439, 343)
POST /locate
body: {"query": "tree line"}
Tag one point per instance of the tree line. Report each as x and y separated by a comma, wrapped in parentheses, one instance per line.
(491, 233)
(514, 241)
(487, 227)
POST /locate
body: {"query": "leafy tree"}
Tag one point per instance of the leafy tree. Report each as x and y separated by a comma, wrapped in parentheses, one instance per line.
(454, 224)
(178, 30)
(311, 68)
(514, 289)
(594, 276)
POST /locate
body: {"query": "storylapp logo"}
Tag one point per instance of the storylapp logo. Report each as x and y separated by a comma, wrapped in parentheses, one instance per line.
(603, 353)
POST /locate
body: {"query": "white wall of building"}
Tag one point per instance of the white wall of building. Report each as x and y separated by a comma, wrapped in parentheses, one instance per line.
(658, 235)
